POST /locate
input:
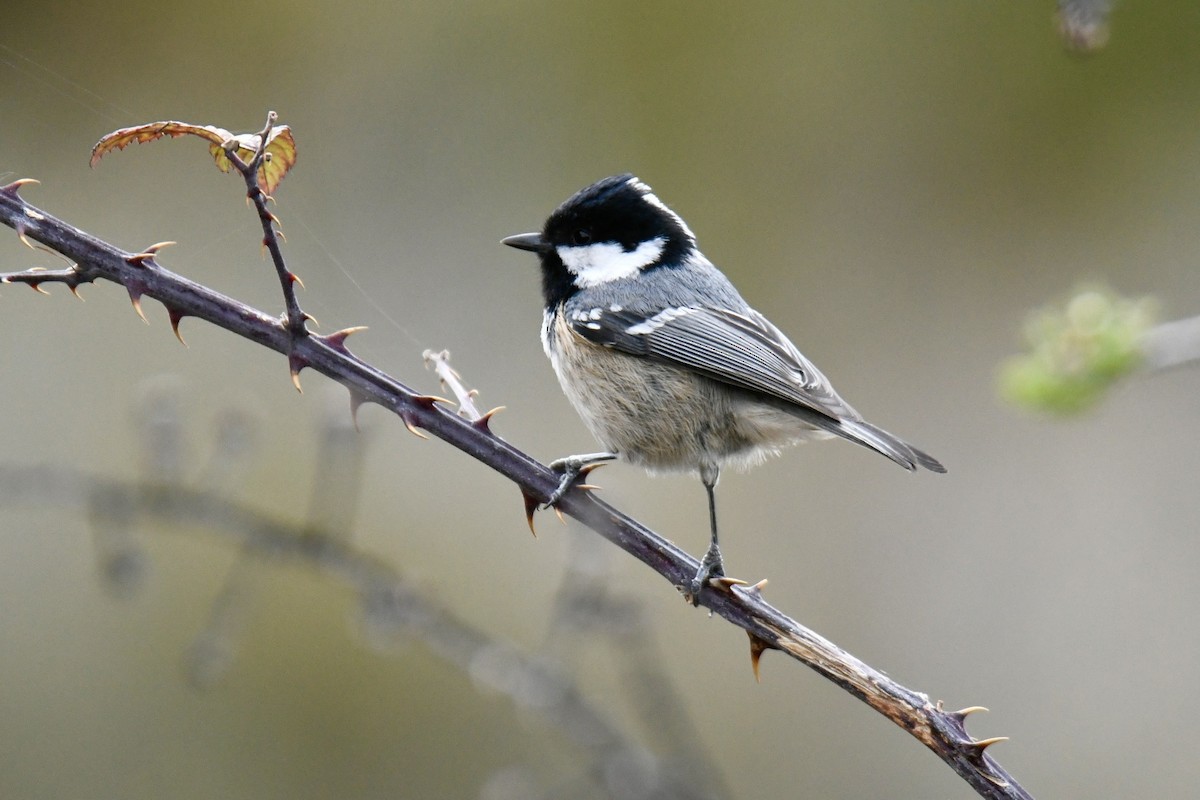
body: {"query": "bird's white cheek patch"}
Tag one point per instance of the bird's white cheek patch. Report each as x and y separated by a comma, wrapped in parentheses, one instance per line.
(601, 262)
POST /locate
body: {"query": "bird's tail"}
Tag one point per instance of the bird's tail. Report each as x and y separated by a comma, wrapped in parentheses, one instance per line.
(881, 441)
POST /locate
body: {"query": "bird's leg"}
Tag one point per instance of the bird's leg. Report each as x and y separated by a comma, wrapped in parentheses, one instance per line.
(711, 565)
(571, 468)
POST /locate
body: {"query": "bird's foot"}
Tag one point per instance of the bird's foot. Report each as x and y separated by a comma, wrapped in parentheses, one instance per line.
(711, 567)
(573, 468)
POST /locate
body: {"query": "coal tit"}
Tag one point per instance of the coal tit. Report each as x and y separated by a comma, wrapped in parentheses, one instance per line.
(662, 358)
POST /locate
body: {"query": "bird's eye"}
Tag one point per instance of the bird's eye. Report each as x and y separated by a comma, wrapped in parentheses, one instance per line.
(581, 236)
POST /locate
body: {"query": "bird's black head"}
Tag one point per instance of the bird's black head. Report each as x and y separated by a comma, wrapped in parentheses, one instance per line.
(608, 231)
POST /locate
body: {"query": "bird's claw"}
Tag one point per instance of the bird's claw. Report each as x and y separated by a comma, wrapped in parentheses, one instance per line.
(573, 468)
(564, 485)
(711, 570)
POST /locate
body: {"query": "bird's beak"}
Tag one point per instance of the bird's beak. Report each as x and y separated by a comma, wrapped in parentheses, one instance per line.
(527, 241)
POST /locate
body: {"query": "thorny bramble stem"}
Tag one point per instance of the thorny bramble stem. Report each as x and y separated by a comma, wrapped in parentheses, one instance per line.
(294, 316)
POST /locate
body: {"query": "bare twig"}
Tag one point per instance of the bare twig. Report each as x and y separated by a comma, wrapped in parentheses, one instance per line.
(294, 317)
(453, 381)
(450, 378)
(942, 732)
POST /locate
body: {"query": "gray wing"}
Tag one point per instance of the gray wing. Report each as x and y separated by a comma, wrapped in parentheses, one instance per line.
(740, 349)
(743, 350)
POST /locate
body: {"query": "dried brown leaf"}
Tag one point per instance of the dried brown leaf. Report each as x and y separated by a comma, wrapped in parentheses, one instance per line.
(280, 152)
(122, 138)
(279, 158)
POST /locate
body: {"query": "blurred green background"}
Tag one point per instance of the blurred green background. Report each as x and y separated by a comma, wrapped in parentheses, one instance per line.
(894, 184)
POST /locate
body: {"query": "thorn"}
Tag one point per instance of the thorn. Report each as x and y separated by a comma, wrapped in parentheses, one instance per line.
(37, 287)
(295, 364)
(471, 393)
(588, 469)
(310, 318)
(428, 400)
(15, 186)
(561, 518)
(758, 646)
(175, 315)
(984, 744)
(279, 232)
(725, 582)
(531, 505)
(356, 400)
(274, 219)
(23, 238)
(996, 780)
(742, 588)
(135, 297)
(588, 487)
(484, 422)
(74, 287)
(140, 259)
(408, 423)
(294, 278)
(963, 712)
(337, 339)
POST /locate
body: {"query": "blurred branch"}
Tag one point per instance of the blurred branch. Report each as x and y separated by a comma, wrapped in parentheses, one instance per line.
(768, 628)
(586, 611)
(1171, 344)
(392, 609)
(1078, 352)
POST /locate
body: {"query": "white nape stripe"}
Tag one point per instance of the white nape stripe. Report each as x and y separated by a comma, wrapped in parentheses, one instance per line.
(650, 197)
(658, 320)
(601, 262)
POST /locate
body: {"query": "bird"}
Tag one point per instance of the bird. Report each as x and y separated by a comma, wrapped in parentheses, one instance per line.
(666, 364)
